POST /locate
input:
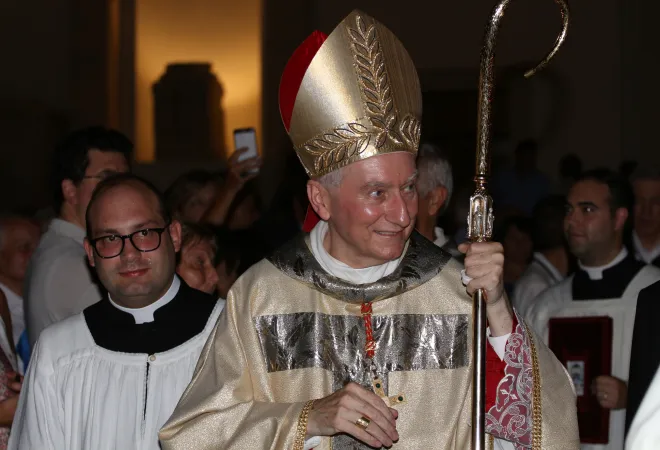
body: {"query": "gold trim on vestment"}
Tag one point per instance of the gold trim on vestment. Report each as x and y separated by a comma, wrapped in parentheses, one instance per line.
(537, 429)
(301, 429)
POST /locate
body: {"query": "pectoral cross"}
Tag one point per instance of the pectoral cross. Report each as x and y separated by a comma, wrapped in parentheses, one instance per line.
(370, 349)
(377, 386)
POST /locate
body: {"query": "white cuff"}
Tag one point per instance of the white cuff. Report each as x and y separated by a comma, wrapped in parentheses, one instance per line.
(312, 442)
(498, 343)
(465, 279)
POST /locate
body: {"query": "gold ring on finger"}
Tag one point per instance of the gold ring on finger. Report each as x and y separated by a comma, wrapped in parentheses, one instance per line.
(363, 422)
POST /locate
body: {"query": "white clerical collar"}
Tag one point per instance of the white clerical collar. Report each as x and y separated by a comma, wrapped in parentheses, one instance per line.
(596, 273)
(642, 254)
(541, 259)
(341, 270)
(146, 314)
(440, 238)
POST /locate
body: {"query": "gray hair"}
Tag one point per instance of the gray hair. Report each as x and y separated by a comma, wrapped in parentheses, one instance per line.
(332, 179)
(434, 171)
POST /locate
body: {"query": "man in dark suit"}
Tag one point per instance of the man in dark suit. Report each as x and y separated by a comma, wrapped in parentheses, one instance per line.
(645, 352)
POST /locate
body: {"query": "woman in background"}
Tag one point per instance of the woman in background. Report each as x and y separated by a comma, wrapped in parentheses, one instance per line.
(195, 260)
(192, 195)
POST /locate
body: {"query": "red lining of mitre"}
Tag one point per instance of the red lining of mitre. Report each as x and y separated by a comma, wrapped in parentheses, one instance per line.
(294, 72)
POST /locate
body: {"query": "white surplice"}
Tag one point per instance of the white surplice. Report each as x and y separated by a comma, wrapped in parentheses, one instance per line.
(558, 302)
(80, 396)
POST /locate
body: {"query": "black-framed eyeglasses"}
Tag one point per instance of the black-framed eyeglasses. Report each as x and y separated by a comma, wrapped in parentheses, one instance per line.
(111, 246)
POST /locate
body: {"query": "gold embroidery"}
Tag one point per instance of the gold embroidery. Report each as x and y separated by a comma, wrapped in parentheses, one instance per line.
(374, 81)
(338, 145)
(335, 148)
(537, 429)
(411, 129)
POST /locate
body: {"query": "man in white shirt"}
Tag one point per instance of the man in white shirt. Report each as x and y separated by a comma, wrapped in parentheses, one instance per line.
(59, 283)
(646, 235)
(109, 377)
(606, 284)
(435, 185)
(550, 261)
(19, 237)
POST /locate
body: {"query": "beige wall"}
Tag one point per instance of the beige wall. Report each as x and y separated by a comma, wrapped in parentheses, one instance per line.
(225, 33)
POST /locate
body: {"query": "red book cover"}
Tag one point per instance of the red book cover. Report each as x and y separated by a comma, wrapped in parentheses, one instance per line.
(584, 347)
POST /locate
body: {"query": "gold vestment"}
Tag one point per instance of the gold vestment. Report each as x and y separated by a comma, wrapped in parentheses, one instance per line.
(290, 332)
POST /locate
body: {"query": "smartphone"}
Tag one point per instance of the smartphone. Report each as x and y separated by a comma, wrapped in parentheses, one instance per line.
(246, 138)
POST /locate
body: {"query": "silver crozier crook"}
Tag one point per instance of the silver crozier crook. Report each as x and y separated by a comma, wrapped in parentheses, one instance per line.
(480, 218)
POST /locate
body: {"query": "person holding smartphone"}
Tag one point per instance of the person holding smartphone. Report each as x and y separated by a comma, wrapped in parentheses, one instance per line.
(240, 171)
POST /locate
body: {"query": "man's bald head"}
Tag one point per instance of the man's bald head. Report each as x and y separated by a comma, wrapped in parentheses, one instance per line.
(126, 180)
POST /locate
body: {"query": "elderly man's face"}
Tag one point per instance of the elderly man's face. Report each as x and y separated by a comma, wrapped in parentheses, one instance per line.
(373, 211)
(18, 240)
(134, 278)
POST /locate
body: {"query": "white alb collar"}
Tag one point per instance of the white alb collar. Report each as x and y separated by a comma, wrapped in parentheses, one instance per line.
(146, 314)
(341, 270)
(596, 273)
(641, 253)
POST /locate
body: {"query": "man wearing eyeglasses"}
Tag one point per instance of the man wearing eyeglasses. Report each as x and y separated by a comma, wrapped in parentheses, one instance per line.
(109, 377)
(58, 283)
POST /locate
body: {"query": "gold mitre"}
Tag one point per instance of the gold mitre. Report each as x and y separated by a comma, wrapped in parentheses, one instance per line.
(350, 96)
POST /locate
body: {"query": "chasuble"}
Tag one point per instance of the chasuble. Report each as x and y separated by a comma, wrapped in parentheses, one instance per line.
(291, 333)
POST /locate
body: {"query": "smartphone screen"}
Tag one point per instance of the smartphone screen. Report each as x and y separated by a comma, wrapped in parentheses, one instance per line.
(246, 138)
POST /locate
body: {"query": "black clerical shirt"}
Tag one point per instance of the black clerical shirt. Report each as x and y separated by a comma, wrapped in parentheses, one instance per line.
(184, 317)
(613, 284)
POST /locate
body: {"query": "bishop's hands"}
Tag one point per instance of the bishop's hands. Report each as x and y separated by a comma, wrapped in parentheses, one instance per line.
(484, 269)
(342, 411)
(611, 392)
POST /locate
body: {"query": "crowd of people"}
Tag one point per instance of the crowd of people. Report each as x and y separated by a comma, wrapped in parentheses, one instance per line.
(339, 315)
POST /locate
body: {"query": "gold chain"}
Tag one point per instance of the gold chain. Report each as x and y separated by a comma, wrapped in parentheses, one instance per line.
(301, 431)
